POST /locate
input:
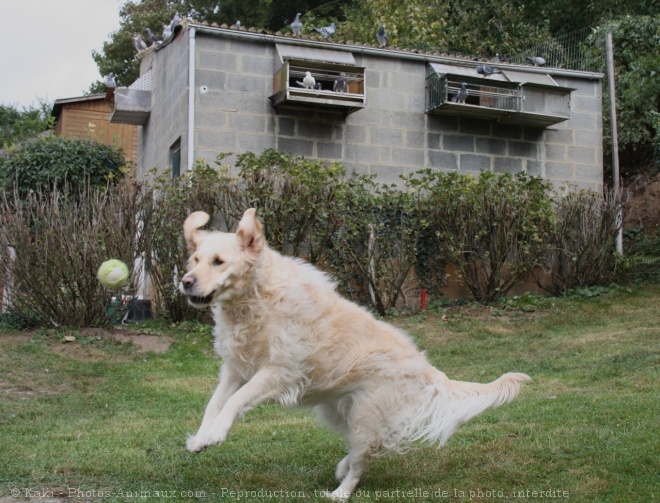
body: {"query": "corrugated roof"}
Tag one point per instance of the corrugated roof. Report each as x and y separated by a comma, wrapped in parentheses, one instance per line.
(464, 71)
(314, 54)
(530, 78)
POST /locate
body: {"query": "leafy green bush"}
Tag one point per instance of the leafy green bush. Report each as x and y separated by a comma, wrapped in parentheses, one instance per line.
(377, 244)
(491, 227)
(296, 199)
(38, 165)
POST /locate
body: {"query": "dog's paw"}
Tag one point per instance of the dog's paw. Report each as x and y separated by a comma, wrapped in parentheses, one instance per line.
(196, 444)
(200, 442)
(336, 495)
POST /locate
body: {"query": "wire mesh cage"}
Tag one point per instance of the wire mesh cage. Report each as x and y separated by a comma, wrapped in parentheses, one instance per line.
(289, 88)
(513, 97)
(573, 51)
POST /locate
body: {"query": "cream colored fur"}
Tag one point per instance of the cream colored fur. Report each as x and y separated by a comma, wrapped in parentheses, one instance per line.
(284, 334)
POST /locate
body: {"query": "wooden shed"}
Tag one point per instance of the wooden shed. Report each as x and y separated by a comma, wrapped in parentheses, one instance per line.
(89, 117)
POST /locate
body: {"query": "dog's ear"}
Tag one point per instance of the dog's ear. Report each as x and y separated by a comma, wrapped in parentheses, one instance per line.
(190, 229)
(250, 234)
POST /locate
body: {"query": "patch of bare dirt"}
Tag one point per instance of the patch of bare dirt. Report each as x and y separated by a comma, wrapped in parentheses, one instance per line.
(146, 343)
(143, 342)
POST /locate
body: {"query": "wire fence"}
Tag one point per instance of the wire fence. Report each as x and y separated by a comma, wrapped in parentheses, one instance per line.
(579, 50)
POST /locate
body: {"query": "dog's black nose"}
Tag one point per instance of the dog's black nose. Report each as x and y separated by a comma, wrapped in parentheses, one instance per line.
(188, 282)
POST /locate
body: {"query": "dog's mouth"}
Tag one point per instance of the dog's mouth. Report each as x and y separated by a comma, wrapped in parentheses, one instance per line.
(198, 301)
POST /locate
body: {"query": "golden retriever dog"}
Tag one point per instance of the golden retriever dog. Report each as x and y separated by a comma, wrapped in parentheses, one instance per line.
(285, 335)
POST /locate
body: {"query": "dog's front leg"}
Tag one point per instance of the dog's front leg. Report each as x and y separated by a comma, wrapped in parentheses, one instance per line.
(230, 381)
(262, 386)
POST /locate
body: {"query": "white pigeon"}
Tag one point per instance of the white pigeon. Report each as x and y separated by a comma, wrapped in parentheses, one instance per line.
(238, 23)
(139, 43)
(327, 31)
(296, 26)
(167, 31)
(175, 21)
(341, 84)
(309, 82)
(381, 36)
(110, 80)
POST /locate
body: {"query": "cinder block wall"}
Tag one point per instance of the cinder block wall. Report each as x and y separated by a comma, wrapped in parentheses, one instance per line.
(168, 120)
(391, 136)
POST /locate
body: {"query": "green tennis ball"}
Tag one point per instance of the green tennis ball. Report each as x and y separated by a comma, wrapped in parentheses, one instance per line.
(113, 274)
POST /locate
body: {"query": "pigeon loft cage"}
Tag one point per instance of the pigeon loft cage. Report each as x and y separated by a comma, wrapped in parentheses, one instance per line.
(326, 68)
(509, 97)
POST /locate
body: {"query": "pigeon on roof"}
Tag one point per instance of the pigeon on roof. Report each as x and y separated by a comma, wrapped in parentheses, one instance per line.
(341, 84)
(381, 36)
(167, 31)
(327, 31)
(309, 82)
(176, 20)
(139, 43)
(110, 80)
(486, 70)
(536, 60)
(296, 26)
(150, 35)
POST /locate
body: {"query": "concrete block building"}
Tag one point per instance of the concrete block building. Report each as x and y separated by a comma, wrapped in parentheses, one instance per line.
(210, 90)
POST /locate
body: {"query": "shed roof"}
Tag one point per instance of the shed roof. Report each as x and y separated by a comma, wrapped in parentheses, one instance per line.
(59, 104)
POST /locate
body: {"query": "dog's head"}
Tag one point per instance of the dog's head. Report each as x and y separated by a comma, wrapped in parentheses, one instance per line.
(220, 263)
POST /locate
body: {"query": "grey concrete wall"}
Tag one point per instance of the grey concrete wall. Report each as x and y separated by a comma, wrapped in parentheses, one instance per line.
(391, 136)
(168, 120)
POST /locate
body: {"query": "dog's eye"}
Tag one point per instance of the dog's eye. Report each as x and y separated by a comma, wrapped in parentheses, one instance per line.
(217, 261)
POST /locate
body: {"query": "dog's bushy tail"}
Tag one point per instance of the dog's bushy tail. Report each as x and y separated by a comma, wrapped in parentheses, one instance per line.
(448, 404)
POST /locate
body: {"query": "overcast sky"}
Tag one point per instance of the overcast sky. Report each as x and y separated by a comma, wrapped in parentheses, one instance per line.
(46, 47)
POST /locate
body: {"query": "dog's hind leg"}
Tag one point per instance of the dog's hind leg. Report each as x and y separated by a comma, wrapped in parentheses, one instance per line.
(355, 464)
(342, 468)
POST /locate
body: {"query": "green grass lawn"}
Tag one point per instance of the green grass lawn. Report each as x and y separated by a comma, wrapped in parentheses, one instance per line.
(96, 420)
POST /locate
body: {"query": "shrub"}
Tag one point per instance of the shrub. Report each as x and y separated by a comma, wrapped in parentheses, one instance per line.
(377, 244)
(296, 199)
(39, 164)
(174, 199)
(52, 243)
(491, 227)
(581, 244)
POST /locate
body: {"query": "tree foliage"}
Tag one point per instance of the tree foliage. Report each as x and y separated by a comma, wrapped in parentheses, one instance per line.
(637, 72)
(18, 125)
(567, 16)
(470, 27)
(118, 54)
